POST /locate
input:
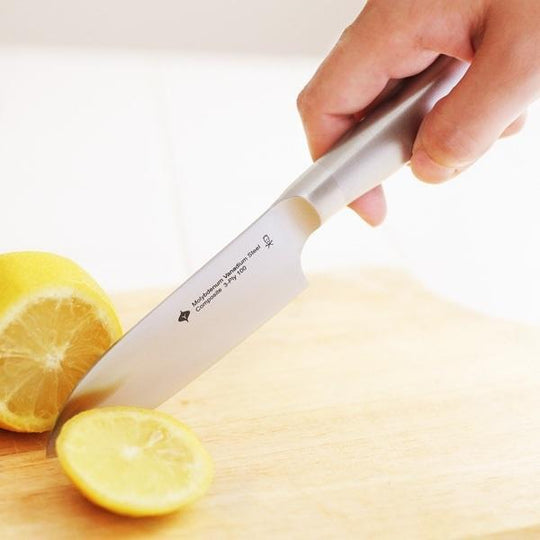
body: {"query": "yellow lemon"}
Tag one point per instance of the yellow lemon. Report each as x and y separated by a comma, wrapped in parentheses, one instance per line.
(133, 461)
(55, 323)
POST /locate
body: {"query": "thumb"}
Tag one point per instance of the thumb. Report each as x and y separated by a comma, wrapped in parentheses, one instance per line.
(492, 95)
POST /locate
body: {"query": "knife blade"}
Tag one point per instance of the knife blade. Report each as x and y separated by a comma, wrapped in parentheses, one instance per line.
(260, 271)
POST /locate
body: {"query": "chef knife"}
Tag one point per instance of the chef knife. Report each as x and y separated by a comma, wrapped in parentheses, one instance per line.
(259, 272)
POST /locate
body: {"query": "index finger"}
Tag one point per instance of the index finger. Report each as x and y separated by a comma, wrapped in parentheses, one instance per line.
(367, 56)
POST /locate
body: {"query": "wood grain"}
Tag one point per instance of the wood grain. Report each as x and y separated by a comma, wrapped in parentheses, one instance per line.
(366, 409)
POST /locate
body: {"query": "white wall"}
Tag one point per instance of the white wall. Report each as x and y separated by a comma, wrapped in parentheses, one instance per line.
(256, 26)
(140, 164)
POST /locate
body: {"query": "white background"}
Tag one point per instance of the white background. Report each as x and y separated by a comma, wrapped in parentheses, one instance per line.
(139, 137)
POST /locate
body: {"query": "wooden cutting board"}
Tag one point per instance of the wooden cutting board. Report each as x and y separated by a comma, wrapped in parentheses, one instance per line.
(366, 409)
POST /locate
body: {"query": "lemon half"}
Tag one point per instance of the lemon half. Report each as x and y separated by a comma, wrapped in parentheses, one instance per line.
(133, 461)
(55, 323)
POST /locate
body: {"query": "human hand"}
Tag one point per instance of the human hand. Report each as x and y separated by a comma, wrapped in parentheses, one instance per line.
(393, 39)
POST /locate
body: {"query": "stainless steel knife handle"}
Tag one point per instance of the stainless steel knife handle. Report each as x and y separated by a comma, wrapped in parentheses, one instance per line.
(379, 145)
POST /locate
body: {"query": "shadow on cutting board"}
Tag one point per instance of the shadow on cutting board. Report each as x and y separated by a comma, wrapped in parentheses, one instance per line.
(18, 443)
(37, 492)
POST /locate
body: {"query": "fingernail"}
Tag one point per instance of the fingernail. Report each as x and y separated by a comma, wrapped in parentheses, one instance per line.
(426, 169)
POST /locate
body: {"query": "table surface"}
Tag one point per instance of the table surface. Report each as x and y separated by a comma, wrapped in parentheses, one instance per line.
(368, 408)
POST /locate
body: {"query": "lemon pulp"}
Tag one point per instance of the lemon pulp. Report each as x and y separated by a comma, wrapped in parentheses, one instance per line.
(134, 461)
(55, 323)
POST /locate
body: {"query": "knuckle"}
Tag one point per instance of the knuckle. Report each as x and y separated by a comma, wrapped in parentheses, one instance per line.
(347, 33)
(304, 102)
(301, 101)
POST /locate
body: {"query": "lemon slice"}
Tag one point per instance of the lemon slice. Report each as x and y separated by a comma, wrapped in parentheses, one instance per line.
(55, 323)
(132, 461)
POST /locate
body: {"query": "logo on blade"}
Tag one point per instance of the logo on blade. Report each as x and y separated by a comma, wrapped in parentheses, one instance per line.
(268, 242)
(184, 316)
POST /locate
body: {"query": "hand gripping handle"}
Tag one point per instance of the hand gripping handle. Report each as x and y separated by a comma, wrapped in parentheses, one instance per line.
(379, 145)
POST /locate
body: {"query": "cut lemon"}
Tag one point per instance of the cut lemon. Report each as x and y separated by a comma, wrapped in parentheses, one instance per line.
(55, 323)
(132, 461)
